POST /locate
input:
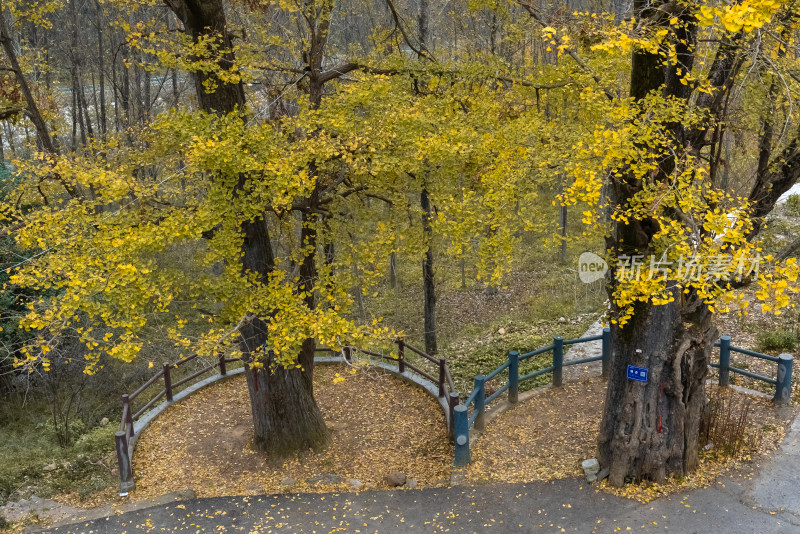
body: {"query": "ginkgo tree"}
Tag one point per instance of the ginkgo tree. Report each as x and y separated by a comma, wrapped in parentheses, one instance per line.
(178, 232)
(679, 244)
(228, 226)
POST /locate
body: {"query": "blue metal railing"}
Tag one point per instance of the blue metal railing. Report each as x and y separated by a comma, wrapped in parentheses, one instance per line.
(783, 382)
(463, 421)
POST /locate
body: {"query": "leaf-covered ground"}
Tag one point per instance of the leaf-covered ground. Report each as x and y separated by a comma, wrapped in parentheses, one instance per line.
(379, 424)
(542, 438)
(548, 436)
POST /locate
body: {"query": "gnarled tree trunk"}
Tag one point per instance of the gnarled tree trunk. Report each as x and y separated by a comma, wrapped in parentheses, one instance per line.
(650, 429)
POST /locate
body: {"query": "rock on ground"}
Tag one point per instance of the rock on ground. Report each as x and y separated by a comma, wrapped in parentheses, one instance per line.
(396, 478)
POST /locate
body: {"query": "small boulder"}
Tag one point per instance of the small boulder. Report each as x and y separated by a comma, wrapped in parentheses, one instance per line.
(355, 484)
(104, 421)
(590, 468)
(396, 478)
(562, 319)
(288, 481)
(49, 467)
(411, 483)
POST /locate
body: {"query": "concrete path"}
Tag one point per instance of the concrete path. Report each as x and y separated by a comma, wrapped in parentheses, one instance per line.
(766, 502)
(559, 506)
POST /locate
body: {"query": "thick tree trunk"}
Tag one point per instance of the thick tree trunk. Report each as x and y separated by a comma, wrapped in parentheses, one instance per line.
(286, 417)
(650, 429)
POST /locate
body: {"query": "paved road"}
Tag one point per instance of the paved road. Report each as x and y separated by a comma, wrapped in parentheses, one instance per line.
(559, 506)
(767, 502)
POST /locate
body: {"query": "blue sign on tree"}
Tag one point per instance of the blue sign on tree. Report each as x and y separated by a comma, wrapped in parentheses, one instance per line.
(637, 373)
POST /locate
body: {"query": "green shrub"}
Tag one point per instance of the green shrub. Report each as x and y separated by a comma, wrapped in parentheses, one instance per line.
(793, 205)
(777, 340)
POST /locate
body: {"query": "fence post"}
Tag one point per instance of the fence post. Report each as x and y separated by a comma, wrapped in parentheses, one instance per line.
(606, 351)
(441, 377)
(513, 377)
(222, 369)
(453, 402)
(348, 355)
(725, 361)
(480, 403)
(167, 382)
(462, 435)
(126, 483)
(126, 403)
(558, 361)
(401, 356)
(783, 389)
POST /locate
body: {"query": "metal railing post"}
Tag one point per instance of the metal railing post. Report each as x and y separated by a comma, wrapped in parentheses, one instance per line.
(126, 483)
(783, 389)
(222, 369)
(513, 377)
(167, 382)
(725, 361)
(126, 403)
(401, 356)
(558, 361)
(452, 402)
(348, 355)
(441, 377)
(461, 435)
(606, 351)
(480, 403)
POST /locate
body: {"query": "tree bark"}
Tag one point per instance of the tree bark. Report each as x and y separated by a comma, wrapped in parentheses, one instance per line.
(286, 417)
(46, 143)
(428, 281)
(101, 68)
(650, 430)
(393, 270)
